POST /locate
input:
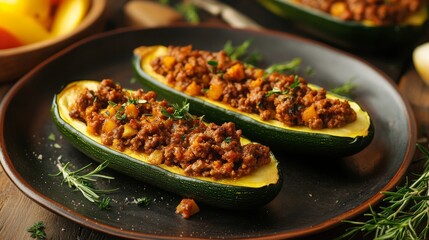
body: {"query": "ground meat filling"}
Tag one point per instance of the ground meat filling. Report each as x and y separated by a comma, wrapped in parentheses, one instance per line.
(379, 12)
(286, 98)
(141, 123)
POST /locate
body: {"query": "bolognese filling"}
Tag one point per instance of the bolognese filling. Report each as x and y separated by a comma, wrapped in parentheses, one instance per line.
(169, 133)
(270, 94)
(378, 12)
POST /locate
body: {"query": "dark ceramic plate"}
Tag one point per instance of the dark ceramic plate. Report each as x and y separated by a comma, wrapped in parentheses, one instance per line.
(317, 193)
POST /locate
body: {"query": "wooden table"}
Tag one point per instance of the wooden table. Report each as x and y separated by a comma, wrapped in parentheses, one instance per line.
(18, 212)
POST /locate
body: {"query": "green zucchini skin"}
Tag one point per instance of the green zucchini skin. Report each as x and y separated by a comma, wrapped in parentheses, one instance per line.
(211, 193)
(348, 34)
(296, 142)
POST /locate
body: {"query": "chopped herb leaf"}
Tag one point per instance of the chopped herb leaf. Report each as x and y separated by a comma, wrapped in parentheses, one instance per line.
(275, 90)
(228, 139)
(180, 112)
(295, 83)
(212, 63)
(345, 89)
(309, 71)
(104, 204)
(120, 113)
(143, 201)
(291, 67)
(241, 51)
(51, 137)
(112, 104)
(136, 101)
(236, 52)
(253, 59)
(37, 230)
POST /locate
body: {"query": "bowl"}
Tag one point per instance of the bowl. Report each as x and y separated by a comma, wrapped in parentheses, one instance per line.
(15, 62)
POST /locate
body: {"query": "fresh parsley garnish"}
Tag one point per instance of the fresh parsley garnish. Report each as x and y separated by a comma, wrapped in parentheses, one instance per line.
(212, 63)
(278, 91)
(228, 139)
(236, 52)
(37, 231)
(345, 90)
(241, 52)
(288, 67)
(112, 104)
(120, 113)
(180, 112)
(136, 101)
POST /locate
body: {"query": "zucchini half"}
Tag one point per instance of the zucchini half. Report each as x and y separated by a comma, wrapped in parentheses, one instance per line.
(338, 142)
(350, 34)
(250, 191)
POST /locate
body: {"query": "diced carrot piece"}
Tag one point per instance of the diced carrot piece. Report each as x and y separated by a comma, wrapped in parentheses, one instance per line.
(215, 91)
(187, 207)
(168, 62)
(236, 72)
(129, 131)
(155, 157)
(255, 83)
(193, 89)
(338, 9)
(131, 111)
(309, 113)
(109, 125)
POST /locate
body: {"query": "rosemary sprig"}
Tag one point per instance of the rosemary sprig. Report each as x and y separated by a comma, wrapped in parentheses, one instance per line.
(406, 214)
(37, 231)
(82, 182)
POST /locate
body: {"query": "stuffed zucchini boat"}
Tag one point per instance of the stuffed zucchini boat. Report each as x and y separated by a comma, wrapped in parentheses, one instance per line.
(359, 26)
(279, 110)
(165, 146)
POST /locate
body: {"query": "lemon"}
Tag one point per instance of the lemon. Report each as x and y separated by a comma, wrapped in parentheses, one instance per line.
(421, 61)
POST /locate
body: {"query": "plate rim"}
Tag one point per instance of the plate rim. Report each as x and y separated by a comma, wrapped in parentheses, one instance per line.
(57, 208)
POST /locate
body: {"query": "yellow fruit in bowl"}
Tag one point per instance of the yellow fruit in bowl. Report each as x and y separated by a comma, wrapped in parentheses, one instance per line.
(421, 61)
(68, 16)
(40, 10)
(25, 28)
(32, 21)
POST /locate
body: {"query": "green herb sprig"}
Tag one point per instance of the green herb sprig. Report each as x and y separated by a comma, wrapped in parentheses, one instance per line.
(290, 67)
(37, 231)
(180, 112)
(82, 182)
(241, 52)
(189, 12)
(345, 90)
(278, 91)
(404, 213)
